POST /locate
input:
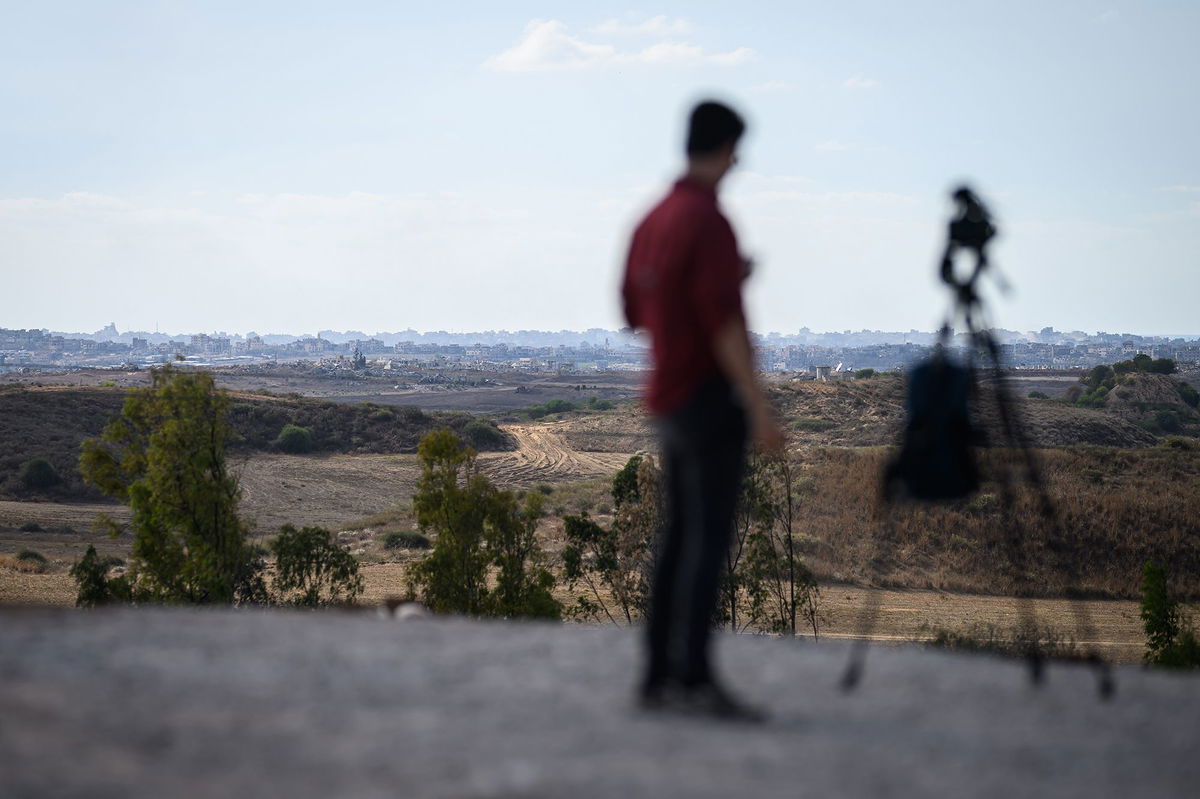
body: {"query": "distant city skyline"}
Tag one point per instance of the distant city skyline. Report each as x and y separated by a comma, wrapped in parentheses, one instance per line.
(218, 166)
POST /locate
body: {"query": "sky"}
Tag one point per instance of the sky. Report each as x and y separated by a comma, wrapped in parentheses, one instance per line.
(376, 166)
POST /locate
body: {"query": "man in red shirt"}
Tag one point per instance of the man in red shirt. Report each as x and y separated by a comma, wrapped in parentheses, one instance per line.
(683, 285)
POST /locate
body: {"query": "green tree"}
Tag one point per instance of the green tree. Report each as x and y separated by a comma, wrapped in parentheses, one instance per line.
(616, 563)
(164, 457)
(451, 505)
(476, 527)
(782, 589)
(38, 474)
(523, 584)
(312, 569)
(1169, 641)
(753, 512)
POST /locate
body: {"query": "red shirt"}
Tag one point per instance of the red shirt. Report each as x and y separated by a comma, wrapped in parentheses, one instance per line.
(682, 283)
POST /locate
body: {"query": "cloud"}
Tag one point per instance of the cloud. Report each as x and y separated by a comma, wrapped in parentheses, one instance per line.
(859, 82)
(1111, 15)
(547, 45)
(660, 25)
(1180, 189)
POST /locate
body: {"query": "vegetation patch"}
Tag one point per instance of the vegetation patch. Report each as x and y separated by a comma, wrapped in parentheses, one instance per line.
(1024, 640)
(405, 539)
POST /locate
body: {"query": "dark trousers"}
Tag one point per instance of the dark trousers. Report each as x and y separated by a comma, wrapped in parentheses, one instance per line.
(703, 458)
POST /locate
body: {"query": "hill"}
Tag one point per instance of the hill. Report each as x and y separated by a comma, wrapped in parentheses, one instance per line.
(51, 421)
(870, 412)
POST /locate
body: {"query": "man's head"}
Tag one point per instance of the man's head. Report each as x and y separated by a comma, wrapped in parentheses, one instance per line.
(713, 133)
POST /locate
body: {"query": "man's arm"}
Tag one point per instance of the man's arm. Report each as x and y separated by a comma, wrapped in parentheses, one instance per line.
(731, 346)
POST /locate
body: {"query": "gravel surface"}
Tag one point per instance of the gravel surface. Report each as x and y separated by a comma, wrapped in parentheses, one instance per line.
(222, 703)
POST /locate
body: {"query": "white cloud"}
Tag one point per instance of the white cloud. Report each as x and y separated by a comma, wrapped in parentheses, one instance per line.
(1111, 15)
(859, 82)
(1180, 189)
(660, 25)
(547, 45)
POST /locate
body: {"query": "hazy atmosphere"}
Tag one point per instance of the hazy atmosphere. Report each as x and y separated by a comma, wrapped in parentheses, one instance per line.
(381, 166)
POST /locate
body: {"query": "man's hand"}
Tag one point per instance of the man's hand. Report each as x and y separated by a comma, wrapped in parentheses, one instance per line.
(732, 348)
(766, 432)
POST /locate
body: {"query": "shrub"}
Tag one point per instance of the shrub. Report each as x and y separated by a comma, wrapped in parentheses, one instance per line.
(31, 527)
(38, 474)
(597, 404)
(382, 415)
(410, 414)
(1167, 421)
(482, 436)
(549, 407)
(1189, 395)
(1019, 641)
(865, 373)
(95, 586)
(294, 439)
(407, 539)
(35, 560)
(312, 569)
(1038, 395)
(812, 424)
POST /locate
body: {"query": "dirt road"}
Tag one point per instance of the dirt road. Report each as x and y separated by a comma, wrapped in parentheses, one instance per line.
(543, 456)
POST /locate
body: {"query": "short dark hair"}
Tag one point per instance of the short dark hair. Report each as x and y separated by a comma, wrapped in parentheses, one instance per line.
(712, 126)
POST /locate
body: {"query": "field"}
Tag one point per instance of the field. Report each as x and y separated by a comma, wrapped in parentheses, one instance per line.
(1124, 497)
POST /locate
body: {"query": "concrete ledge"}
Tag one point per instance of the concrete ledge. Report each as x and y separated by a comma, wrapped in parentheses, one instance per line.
(221, 703)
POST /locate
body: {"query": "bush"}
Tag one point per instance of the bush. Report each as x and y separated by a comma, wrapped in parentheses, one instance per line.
(1020, 641)
(482, 436)
(38, 474)
(31, 527)
(36, 561)
(95, 586)
(1189, 395)
(1167, 421)
(549, 407)
(1038, 395)
(312, 569)
(294, 439)
(865, 373)
(597, 404)
(408, 539)
(812, 424)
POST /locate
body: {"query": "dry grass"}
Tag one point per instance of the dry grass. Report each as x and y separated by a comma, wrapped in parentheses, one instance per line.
(1118, 507)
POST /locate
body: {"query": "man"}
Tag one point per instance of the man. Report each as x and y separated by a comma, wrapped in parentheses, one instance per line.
(683, 285)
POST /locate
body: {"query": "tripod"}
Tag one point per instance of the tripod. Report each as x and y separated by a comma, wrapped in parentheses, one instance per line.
(936, 460)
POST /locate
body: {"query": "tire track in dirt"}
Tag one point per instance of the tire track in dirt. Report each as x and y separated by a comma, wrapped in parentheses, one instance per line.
(543, 456)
